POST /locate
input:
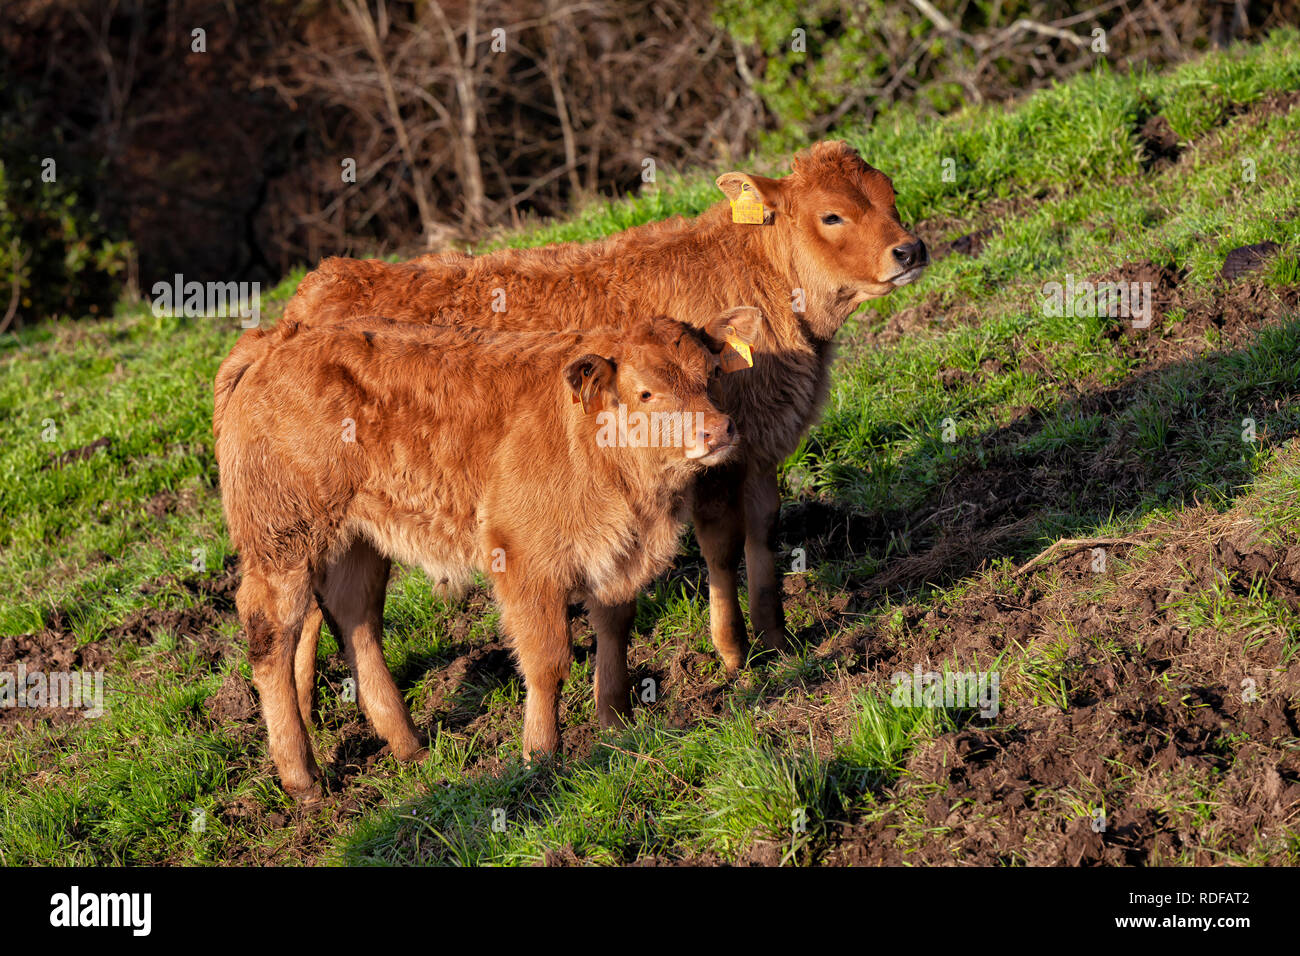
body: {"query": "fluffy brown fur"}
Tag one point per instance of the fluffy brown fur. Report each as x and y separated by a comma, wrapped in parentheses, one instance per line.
(692, 269)
(343, 447)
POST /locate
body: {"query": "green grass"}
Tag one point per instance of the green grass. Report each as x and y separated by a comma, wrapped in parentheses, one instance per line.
(626, 802)
(785, 756)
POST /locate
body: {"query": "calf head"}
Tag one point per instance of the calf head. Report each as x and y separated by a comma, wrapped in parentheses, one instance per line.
(836, 215)
(655, 394)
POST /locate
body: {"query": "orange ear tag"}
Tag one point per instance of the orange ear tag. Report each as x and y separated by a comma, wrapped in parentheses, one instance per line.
(747, 209)
(736, 354)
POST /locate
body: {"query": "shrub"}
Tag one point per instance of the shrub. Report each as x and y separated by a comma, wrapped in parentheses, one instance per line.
(55, 258)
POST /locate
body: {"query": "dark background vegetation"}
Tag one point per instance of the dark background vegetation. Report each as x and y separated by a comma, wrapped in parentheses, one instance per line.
(228, 164)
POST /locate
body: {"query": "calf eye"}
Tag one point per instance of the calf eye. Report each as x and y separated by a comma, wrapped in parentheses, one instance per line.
(646, 396)
(830, 219)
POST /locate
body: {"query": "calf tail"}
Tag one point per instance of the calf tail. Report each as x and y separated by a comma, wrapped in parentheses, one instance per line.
(250, 347)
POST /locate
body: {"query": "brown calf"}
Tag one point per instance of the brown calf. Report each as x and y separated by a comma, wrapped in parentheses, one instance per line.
(830, 239)
(344, 447)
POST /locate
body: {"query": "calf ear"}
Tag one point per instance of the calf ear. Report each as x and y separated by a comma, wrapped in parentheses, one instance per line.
(745, 320)
(731, 334)
(767, 191)
(589, 377)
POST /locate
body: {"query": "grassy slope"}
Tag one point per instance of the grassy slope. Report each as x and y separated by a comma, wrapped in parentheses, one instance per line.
(104, 549)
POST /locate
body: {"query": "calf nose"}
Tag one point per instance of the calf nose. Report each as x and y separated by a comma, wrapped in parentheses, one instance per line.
(718, 433)
(911, 254)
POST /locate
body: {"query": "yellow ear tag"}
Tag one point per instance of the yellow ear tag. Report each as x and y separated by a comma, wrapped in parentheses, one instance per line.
(745, 208)
(736, 354)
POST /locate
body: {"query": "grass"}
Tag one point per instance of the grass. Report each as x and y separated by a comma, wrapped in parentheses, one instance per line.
(978, 392)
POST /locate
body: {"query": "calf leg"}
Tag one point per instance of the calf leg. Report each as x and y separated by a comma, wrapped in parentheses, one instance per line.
(613, 624)
(304, 662)
(762, 518)
(352, 599)
(720, 530)
(271, 607)
(535, 620)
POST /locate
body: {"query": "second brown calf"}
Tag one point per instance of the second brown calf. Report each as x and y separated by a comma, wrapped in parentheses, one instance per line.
(344, 447)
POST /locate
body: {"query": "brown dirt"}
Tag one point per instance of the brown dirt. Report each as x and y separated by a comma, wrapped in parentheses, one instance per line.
(946, 234)
(197, 624)
(1160, 144)
(77, 454)
(1245, 259)
(1234, 310)
(1161, 148)
(234, 700)
(969, 244)
(57, 648)
(47, 652)
(166, 503)
(1156, 715)
(1156, 712)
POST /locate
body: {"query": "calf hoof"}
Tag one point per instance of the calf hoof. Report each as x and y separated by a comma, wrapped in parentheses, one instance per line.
(614, 717)
(308, 796)
(405, 743)
(542, 759)
(733, 656)
(541, 753)
(776, 639)
(412, 756)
